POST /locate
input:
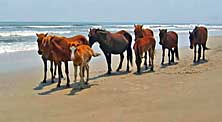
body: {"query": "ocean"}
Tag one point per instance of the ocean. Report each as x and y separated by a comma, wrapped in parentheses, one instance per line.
(21, 36)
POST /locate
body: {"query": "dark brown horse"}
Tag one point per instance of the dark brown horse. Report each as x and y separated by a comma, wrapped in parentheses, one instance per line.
(44, 59)
(144, 45)
(140, 32)
(112, 43)
(198, 37)
(169, 40)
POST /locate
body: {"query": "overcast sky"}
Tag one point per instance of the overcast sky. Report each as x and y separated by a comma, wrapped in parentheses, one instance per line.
(153, 11)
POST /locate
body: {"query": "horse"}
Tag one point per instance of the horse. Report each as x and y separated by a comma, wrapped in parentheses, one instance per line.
(112, 43)
(144, 45)
(140, 33)
(81, 55)
(44, 59)
(198, 37)
(169, 40)
(58, 47)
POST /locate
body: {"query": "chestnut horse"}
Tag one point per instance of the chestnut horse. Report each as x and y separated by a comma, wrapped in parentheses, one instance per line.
(140, 33)
(169, 40)
(144, 45)
(59, 49)
(39, 41)
(198, 37)
(113, 43)
(81, 55)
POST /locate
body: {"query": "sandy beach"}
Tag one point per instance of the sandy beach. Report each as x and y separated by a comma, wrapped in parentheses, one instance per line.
(184, 92)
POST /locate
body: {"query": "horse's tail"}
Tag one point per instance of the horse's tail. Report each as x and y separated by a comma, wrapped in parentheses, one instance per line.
(176, 52)
(129, 49)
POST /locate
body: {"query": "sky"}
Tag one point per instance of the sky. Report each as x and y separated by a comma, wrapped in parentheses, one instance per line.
(150, 11)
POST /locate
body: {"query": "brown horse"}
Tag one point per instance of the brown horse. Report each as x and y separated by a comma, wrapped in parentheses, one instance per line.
(198, 37)
(39, 41)
(59, 47)
(112, 43)
(140, 33)
(81, 55)
(144, 45)
(169, 40)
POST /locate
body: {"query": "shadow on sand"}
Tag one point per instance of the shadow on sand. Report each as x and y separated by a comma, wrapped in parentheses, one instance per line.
(48, 83)
(168, 65)
(75, 88)
(200, 62)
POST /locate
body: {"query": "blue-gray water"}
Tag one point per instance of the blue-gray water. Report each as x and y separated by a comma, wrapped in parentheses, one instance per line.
(21, 36)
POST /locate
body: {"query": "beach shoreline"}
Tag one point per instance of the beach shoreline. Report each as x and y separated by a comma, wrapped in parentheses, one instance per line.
(183, 92)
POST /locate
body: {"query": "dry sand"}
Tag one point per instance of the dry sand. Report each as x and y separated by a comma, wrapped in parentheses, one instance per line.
(178, 93)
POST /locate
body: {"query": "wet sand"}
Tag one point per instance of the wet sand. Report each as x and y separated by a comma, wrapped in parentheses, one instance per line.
(184, 92)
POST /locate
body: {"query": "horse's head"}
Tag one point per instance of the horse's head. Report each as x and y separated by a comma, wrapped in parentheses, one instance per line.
(92, 36)
(191, 37)
(162, 35)
(45, 45)
(39, 41)
(138, 31)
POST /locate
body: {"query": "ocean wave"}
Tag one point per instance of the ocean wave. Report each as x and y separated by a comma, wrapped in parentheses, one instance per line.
(30, 33)
(16, 47)
(45, 27)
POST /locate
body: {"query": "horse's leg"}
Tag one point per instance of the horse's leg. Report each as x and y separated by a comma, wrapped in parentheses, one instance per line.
(67, 73)
(51, 70)
(204, 48)
(172, 53)
(108, 60)
(145, 61)
(163, 55)
(45, 69)
(87, 70)
(59, 72)
(169, 50)
(81, 77)
(75, 71)
(151, 55)
(195, 52)
(55, 68)
(199, 52)
(121, 62)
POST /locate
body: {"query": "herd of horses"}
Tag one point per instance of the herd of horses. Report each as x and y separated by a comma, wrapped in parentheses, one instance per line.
(58, 49)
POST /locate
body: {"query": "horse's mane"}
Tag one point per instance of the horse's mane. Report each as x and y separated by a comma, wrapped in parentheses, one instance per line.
(101, 30)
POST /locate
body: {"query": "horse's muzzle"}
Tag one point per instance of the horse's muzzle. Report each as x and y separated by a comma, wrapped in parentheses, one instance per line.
(160, 43)
(39, 52)
(191, 47)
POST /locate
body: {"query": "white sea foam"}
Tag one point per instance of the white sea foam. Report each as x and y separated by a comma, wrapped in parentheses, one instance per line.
(17, 47)
(30, 33)
(68, 26)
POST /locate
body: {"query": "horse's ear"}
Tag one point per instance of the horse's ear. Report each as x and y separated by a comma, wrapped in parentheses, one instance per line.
(46, 34)
(37, 35)
(134, 25)
(159, 29)
(189, 32)
(141, 26)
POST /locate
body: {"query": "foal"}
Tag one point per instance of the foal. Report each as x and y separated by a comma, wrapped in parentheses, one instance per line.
(81, 55)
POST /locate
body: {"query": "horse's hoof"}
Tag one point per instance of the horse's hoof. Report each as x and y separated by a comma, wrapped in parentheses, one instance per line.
(44, 81)
(162, 63)
(108, 73)
(58, 85)
(52, 81)
(67, 86)
(117, 70)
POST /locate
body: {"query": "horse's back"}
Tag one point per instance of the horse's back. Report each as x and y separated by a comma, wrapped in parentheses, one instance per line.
(148, 32)
(201, 34)
(144, 44)
(80, 38)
